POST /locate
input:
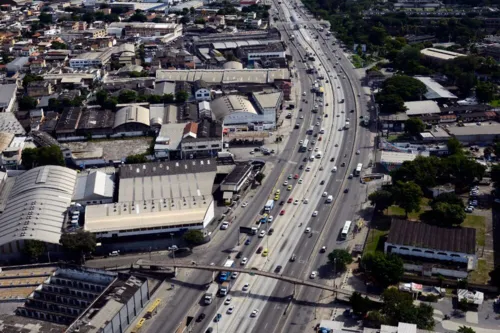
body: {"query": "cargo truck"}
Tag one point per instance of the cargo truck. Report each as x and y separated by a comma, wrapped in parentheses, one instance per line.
(249, 230)
(269, 205)
(210, 294)
(224, 288)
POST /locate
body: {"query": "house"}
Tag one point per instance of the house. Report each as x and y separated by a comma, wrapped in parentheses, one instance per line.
(202, 91)
(39, 88)
(203, 139)
(7, 97)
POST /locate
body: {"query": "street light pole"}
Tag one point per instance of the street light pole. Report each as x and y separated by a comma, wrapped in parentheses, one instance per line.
(173, 252)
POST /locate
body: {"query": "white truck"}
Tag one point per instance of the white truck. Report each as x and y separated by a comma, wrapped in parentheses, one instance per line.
(211, 293)
(347, 125)
(224, 288)
(269, 205)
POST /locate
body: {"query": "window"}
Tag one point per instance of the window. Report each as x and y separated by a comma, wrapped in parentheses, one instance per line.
(416, 250)
(442, 254)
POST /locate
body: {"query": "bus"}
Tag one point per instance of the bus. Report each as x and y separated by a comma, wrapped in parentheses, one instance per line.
(358, 169)
(345, 230)
(224, 276)
(304, 145)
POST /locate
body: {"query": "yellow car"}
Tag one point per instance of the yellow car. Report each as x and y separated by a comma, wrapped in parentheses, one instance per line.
(276, 197)
(278, 192)
(265, 253)
(289, 188)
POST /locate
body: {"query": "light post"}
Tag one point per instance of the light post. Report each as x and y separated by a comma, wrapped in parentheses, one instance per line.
(172, 247)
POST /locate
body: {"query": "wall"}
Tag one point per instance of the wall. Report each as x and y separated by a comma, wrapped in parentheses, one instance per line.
(209, 215)
(436, 271)
(428, 253)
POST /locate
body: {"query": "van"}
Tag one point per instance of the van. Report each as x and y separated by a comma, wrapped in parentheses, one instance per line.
(329, 199)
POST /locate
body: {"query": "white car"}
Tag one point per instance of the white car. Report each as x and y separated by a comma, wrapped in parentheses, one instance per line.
(316, 149)
(300, 181)
(308, 230)
(227, 301)
(244, 261)
(244, 204)
(296, 202)
(301, 117)
(469, 209)
(334, 169)
(234, 275)
(254, 313)
(230, 309)
(301, 142)
(304, 93)
(270, 219)
(325, 194)
(315, 213)
(285, 183)
(317, 123)
(357, 152)
(308, 168)
(262, 233)
(309, 149)
(313, 274)
(246, 286)
(224, 225)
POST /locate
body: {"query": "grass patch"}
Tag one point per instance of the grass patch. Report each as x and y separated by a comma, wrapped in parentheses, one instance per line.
(398, 211)
(397, 137)
(478, 223)
(495, 103)
(357, 61)
(481, 274)
(379, 230)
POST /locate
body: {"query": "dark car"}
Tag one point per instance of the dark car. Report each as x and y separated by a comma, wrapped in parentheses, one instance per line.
(259, 250)
(301, 167)
(293, 257)
(201, 317)
(247, 242)
(278, 269)
(282, 203)
(332, 159)
(343, 164)
(322, 182)
(304, 159)
(217, 317)
(352, 111)
(346, 190)
(270, 232)
(209, 330)
(239, 255)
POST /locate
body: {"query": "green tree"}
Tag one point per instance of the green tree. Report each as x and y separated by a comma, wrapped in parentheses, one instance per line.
(407, 87)
(34, 248)
(407, 196)
(377, 35)
(193, 237)
(134, 159)
(390, 103)
(450, 198)
(414, 126)
(381, 199)
(181, 96)
(45, 18)
(101, 96)
(463, 171)
(424, 171)
(465, 329)
(339, 259)
(485, 92)
(454, 146)
(35, 157)
(200, 20)
(495, 176)
(465, 81)
(27, 103)
(496, 149)
(184, 20)
(360, 305)
(28, 78)
(386, 269)
(138, 17)
(260, 177)
(78, 243)
(127, 96)
(168, 98)
(55, 45)
(448, 214)
(110, 103)
(398, 307)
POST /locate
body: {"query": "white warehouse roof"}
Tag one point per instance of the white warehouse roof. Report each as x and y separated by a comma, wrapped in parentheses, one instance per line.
(421, 107)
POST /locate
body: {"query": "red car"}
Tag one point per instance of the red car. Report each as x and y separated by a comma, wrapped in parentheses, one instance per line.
(282, 212)
(296, 176)
(290, 200)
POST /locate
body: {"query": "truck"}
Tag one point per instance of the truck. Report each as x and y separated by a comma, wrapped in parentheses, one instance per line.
(269, 205)
(224, 276)
(252, 230)
(224, 288)
(210, 294)
(346, 126)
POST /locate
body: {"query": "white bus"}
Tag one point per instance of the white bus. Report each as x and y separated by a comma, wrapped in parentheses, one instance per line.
(304, 145)
(358, 169)
(345, 230)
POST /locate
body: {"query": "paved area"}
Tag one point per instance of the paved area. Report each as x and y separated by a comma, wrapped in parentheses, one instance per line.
(110, 149)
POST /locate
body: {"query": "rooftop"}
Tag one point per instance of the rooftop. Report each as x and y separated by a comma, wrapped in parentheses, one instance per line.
(434, 89)
(421, 107)
(221, 76)
(239, 171)
(268, 99)
(225, 105)
(396, 157)
(441, 54)
(475, 130)
(422, 235)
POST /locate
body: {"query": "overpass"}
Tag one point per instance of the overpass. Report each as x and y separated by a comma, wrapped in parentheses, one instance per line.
(295, 281)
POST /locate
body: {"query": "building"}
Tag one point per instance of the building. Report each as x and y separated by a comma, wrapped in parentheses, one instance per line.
(475, 134)
(202, 139)
(434, 89)
(7, 97)
(17, 64)
(425, 4)
(438, 55)
(268, 102)
(40, 88)
(145, 29)
(10, 124)
(201, 91)
(391, 160)
(168, 142)
(36, 207)
(91, 59)
(420, 108)
(433, 244)
(492, 50)
(94, 187)
(236, 180)
(153, 198)
(238, 113)
(132, 118)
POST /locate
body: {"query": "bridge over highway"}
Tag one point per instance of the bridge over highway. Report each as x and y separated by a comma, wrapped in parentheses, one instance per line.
(213, 268)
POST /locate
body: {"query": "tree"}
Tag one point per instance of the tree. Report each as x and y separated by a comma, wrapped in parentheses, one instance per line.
(406, 87)
(495, 175)
(58, 45)
(34, 248)
(360, 305)
(465, 82)
(448, 214)
(181, 96)
(465, 329)
(101, 96)
(79, 243)
(414, 126)
(35, 157)
(27, 103)
(381, 199)
(260, 177)
(450, 198)
(184, 20)
(28, 78)
(424, 171)
(496, 149)
(454, 146)
(398, 307)
(168, 98)
(407, 196)
(463, 171)
(193, 237)
(339, 259)
(134, 159)
(485, 92)
(127, 96)
(138, 17)
(385, 269)
(45, 18)
(390, 103)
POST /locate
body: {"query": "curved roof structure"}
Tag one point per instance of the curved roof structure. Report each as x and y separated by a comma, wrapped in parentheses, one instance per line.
(131, 114)
(37, 204)
(223, 106)
(233, 65)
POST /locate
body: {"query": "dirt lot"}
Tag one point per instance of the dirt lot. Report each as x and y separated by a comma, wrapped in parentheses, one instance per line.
(112, 149)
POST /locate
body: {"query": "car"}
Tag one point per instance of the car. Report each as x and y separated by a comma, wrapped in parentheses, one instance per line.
(244, 204)
(290, 200)
(313, 274)
(296, 176)
(289, 188)
(239, 255)
(217, 317)
(293, 257)
(350, 176)
(338, 115)
(296, 202)
(332, 159)
(308, 169)
(313, 142)
(301, 142)
(317, 123)
(323, 249)
(343, 164)
(254, 313)
(252, 152)
(246, 287)
(321, 167)
(301, 167)
(469, 209)
(270, 219)
(325, 194)
(300, 181)
(278, 191)
(316, 149)
(340, 129)
(346, 190)
(244, 261)
(473, 203)
(357, 152)
(209, 330)
(227, 301)
(247, 242)
(259, 250)
(301, 116)
(262, 233)
(326, 115)
(334, 169)
(282, 212)
(338, 87)
(270, 232)
(278, 269)
(230, 309)
(265, 252)
(308, 230)
(234, 275)
(200, 317)
(352, 111)
(315, 213)
(285, 183)
(224, 225)
(290, 176)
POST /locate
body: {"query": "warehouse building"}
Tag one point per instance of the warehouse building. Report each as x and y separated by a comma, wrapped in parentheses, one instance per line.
(476, 134)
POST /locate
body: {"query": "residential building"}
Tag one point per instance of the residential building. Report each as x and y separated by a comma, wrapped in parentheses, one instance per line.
(40, 88)
(17, 64)
(435, 90)
(145, 29)
(7, 97)
(425, 4)
(202, 139)
(202, 91)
